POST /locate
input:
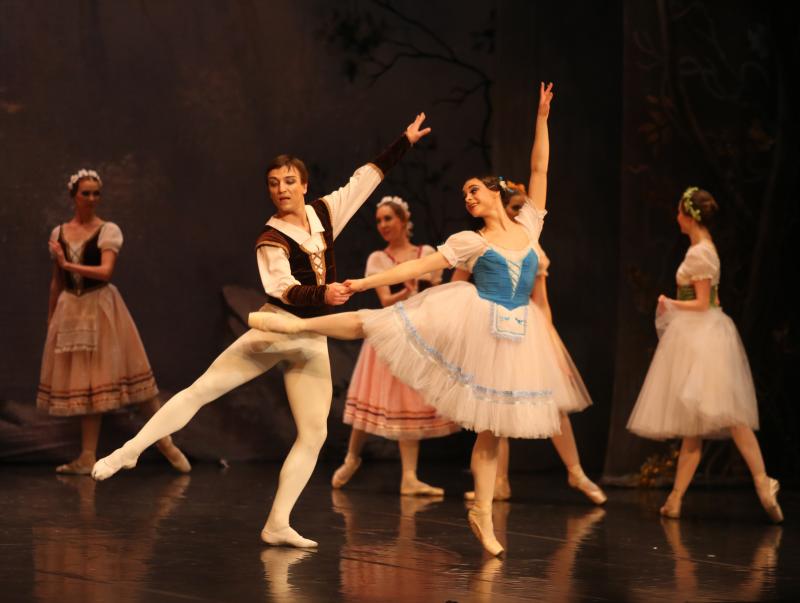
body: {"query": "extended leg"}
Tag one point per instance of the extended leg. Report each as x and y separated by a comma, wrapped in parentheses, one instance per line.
(309, 389)
(90, 434)
(766, 487)
(410, 485)
(689, 458)
(346, 325)
(484, 472)
(352, 461)
(245, 359)
(568, 451)
(165, 445)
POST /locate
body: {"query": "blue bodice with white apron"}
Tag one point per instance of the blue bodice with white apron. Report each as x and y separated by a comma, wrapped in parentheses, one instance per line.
(507, 285)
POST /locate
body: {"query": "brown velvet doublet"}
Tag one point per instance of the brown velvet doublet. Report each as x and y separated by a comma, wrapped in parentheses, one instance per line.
(313, 270)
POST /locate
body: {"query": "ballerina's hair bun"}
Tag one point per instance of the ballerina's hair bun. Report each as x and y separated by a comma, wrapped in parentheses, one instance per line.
(700, 205)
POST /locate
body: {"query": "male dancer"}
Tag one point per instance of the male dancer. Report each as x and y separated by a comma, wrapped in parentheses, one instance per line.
(298, 271)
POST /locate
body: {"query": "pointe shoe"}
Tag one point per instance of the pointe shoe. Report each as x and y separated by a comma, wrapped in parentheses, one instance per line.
(274, 322)
(75, 467)
(577, 479)
(672, 506)
(767, 490)
(287, 537)
(421, 489)
(484, 533)
(502, 491)
(177, 459)
(109, 465)
(344, 473)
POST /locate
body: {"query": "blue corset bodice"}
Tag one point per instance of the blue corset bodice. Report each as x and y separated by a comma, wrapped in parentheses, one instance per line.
(493, 279)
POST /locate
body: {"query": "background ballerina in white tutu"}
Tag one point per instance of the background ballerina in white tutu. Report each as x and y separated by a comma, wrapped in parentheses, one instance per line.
(699, 383)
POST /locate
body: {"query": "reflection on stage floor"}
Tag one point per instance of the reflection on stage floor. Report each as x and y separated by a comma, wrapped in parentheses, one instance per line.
(151, 536)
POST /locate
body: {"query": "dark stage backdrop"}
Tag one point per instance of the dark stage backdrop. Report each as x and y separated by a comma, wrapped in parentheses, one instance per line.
(181, 104)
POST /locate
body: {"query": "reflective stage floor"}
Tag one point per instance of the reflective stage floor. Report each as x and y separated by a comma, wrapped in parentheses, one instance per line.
(149, 535)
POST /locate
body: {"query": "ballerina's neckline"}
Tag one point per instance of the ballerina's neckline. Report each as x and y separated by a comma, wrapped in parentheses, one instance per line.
(488, 242)
(79, 244)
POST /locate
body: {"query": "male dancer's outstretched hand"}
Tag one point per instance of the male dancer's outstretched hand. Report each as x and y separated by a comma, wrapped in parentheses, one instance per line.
(413, 133)
(336, 294)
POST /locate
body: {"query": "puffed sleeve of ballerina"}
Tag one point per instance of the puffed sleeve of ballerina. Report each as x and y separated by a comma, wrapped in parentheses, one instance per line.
(461, 247)
(377, 262)
(275, 271)
(344, 202)
(702, 262)
(54, 237)
(110, 237)
(532, 219)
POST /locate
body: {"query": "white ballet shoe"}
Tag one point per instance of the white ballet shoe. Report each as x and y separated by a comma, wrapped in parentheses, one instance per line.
(274, 322)
(672, 506)
(344, 473)
(577, 479)
(178, 460)
(767, 489)
(420, 489)
(109, 465)
(480, 522)
(287, 537)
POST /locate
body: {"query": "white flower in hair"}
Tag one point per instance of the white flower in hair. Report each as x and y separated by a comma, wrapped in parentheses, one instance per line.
(83, 173)
(397, 201)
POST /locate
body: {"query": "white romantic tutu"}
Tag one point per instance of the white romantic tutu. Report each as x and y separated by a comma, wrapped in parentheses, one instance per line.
(577, 398)
(440, 343)
(699, 382)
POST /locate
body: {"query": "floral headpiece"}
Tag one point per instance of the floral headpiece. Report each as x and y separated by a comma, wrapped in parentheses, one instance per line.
(80, 174)
(395, 201)
(688, 205)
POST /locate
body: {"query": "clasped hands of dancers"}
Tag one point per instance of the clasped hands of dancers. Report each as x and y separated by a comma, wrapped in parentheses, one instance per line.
(527, 388)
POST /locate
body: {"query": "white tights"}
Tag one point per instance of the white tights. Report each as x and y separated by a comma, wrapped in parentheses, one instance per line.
(308, 388)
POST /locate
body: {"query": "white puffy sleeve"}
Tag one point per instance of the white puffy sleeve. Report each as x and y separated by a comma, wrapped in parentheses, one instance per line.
(345, 201)
(110, 237)
(461, 247)
(275, 271)
(378, 262)
(531, 219)
(53, 237)
(701, 263)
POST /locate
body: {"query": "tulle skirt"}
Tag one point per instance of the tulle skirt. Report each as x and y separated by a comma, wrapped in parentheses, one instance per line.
(699, 382)
(94, 360)
(578, 397)
(442, 344)
(381, 404)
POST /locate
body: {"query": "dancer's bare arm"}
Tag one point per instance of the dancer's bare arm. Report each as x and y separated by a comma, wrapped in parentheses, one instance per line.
(540, 153)
(103, 272)
(401, 273)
